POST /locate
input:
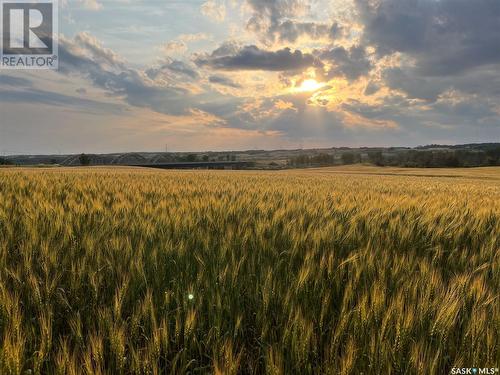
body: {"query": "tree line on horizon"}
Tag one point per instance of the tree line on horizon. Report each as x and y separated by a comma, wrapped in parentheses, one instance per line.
(408, 158)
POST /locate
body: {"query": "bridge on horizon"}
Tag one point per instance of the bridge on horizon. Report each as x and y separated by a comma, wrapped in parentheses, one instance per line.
(199, 165)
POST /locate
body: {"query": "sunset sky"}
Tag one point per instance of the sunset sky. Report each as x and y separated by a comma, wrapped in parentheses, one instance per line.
(259, 74)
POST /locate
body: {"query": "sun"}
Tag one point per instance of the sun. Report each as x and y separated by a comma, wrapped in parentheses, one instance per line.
(310, 85)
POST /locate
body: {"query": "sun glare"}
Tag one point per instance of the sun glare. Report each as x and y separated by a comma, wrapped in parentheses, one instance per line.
(310, 85)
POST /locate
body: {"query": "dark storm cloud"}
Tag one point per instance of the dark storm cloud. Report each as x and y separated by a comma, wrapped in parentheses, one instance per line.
(226, 49)
(224, 81)
(97, 51)
(36, 96)
(118, 80)
(273, 20)
(446, 37)
(183, 68)
(176, 67)
(413, 85)
(450, 58)
(382, 111)
(351, 63)
(290, 31)
(23, 90)
(469, 110)
(371, 88)
(6, 80)
(154, 88)
(254, 58)
(484, 82)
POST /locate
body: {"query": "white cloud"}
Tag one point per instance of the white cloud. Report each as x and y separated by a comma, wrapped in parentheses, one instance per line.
(176, 47)
(214, 10)
(91, 4)
(193, 37)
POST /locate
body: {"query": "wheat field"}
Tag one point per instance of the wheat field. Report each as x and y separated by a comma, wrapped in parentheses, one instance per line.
(128, 271)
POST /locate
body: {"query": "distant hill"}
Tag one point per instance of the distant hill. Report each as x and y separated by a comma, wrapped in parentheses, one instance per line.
(467, 155)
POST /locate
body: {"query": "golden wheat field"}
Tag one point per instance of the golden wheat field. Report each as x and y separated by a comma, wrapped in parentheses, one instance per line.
(335, 271)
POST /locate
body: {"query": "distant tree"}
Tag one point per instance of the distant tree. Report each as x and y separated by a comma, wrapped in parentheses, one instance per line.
(299, 161)
(446, 159)
(5, 162)
(191, 158)
(322, 159)
(493, 156)
(376, 158)
(348, 158)
(421, 157)
(84, 159)
(205, 158)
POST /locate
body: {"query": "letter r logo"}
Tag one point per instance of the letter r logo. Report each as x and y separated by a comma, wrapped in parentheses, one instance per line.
(27, 28)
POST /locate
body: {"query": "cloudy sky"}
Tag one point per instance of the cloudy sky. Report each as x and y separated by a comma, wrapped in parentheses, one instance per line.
(136, 75)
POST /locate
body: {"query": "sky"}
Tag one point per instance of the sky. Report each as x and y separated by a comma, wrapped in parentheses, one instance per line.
(198, 75)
